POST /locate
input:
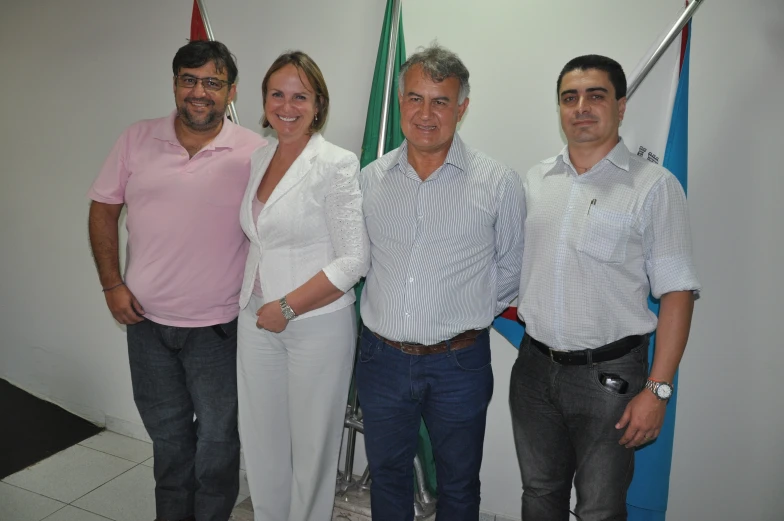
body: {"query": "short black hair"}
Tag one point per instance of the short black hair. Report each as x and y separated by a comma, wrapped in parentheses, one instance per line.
(197, 53)
(602, 63)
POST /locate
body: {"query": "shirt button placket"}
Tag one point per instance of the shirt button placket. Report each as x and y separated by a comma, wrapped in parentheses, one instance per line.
(413, 259)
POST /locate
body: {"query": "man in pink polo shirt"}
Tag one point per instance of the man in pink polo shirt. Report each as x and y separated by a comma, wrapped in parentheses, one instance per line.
(182, 178)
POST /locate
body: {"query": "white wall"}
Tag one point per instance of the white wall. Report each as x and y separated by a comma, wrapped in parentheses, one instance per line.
(76, 75)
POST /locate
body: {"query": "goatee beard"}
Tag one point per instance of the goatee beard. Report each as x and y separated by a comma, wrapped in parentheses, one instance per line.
(211, 121)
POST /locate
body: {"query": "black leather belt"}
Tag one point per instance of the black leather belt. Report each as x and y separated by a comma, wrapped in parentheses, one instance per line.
(606, 353)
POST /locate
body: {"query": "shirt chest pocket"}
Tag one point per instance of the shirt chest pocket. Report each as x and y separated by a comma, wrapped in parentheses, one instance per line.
(605, 235)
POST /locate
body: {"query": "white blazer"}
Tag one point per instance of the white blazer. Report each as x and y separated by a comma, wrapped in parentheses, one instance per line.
(311, 222)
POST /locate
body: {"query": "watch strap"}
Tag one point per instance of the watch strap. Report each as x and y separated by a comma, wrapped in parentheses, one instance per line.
(288, 313)
(654, 385)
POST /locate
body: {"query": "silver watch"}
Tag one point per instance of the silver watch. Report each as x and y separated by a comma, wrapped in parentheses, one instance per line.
(288, 313)
(661, 390)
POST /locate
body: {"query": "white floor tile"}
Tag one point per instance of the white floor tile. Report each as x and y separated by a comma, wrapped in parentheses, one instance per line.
(71, 513)
(21, 505)
(148, 462)
(120, 446)
(129, 497)
(242, 497)
(70, 474)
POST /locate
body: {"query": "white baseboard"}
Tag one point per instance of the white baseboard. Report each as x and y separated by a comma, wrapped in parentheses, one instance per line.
(127, 428)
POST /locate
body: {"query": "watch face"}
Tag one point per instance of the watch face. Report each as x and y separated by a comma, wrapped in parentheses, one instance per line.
(664, 391)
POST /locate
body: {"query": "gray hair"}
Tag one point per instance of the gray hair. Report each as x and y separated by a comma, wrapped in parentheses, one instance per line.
(438, 64)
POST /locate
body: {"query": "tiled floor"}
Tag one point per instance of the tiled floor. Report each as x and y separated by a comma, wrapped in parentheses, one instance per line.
(106, 477)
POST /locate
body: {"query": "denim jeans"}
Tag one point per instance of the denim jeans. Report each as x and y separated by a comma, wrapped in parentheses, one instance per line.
(563, 421)
(451, 391)
(176, 372)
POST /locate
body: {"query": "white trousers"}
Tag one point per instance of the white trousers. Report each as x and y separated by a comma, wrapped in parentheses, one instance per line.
(292, 390)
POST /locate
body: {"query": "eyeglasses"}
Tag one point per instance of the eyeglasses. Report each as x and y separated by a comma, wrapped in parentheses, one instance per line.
(186, 81)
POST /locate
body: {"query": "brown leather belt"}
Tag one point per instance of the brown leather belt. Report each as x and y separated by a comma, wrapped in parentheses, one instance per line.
(464, 339)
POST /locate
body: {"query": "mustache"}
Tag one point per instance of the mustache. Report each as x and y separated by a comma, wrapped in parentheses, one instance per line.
(200, 100)
(586, 117)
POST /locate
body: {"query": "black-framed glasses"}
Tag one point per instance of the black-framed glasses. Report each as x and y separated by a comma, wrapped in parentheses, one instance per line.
(186, 81)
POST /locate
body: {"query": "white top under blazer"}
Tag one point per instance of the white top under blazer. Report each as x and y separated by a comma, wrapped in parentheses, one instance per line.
(311, 222)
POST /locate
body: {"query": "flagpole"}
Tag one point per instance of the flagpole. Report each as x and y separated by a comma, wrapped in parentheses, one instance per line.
(673, 33)
(396, 5)
(203, 10)
(353, 407)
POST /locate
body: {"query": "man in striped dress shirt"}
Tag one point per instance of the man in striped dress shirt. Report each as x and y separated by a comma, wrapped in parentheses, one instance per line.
(604, 229)
(445, 226)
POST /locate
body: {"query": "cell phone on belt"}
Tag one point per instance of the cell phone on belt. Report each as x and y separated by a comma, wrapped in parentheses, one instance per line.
(613, 382)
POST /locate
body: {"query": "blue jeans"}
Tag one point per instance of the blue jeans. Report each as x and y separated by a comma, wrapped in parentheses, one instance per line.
(451, 391)
(176, 372)
(563, 421)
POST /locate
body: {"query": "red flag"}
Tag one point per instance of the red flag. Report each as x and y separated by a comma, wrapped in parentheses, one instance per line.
(510, 313)
(198, 31)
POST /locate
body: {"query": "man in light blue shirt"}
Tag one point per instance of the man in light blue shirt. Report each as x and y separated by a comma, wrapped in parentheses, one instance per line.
(445, 226)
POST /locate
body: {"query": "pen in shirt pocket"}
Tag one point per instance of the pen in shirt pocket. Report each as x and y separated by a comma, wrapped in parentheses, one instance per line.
(593, 203)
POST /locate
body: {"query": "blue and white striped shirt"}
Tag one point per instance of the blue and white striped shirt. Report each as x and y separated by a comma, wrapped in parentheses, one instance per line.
(445, 252)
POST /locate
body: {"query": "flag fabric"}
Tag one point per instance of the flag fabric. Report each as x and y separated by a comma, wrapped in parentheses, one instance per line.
(509, 326)
(394, 135)
(198, 30)
(392, 139)
(648, 493)
(655, 127)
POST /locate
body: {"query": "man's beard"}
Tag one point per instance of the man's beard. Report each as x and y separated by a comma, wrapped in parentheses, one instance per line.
(201, 123)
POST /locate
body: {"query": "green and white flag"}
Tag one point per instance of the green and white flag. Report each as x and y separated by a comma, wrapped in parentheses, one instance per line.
(394, 136)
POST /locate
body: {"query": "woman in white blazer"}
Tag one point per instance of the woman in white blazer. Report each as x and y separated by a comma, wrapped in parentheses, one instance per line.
(302, 212)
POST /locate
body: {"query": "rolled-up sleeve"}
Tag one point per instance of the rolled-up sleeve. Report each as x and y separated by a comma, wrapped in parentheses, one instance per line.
(509, 239)
(667, 240)
(346, 226)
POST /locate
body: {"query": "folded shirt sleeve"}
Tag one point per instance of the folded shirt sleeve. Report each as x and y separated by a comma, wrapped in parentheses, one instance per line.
(667, 239)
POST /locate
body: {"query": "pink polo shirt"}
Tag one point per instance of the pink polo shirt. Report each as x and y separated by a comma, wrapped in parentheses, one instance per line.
(186, 250)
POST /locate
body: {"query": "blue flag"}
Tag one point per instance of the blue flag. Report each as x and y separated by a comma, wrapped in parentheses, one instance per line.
(648, 493)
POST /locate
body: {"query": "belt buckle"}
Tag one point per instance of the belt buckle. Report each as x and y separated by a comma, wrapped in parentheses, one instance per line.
(552, 355)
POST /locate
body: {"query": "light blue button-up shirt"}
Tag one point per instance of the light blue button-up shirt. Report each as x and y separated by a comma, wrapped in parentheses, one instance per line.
(445, 252)
(597, 244)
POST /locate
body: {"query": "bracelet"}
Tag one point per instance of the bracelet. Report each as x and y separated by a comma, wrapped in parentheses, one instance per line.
(113, 287)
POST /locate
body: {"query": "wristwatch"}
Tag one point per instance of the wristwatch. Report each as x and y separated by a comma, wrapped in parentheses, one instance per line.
(288, 313)
(661, 390)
